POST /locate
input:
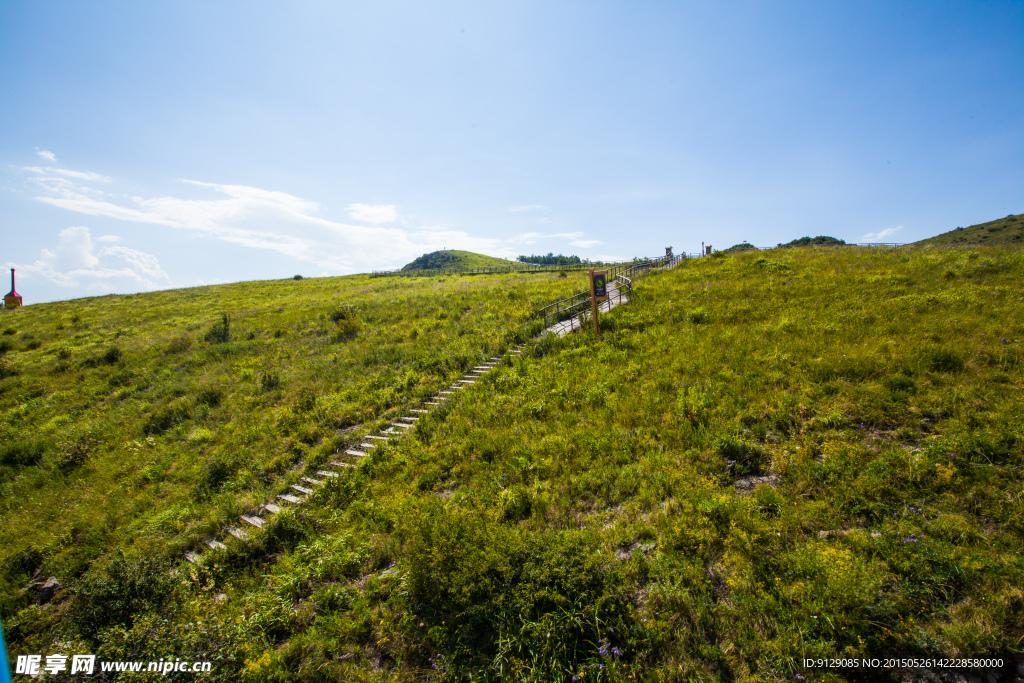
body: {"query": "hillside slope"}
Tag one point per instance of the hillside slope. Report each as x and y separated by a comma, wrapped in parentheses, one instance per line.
(768, 457)
(456, 259)
(1002, 231)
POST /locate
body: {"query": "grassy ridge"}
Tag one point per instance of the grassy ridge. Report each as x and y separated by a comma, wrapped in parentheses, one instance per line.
(813, 453)
(1007, 231)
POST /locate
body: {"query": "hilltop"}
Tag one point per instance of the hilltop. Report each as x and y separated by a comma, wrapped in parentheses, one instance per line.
(1002, 231)
(456, 259)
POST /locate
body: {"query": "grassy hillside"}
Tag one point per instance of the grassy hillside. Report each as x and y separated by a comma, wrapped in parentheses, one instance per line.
(453, 258)
(816, 454)
(1003, 231)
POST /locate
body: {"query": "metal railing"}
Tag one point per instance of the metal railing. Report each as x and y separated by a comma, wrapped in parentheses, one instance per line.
(576, 308)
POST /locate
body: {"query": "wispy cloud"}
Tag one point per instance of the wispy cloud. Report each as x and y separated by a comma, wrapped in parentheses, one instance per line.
(526, 207)
(880, 235)
(67, 173)
(265, 219)
(74, 261)
(373, 213)
(47, 154)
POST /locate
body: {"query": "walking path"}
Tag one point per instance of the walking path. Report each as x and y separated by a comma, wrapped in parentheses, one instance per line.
(296, 494)
(616, 297)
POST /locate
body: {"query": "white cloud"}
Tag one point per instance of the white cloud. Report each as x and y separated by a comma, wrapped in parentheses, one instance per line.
(68, 173)
(526, 207)
(264, 219)
(108, 238)
(373, 213)
(880, 235)
(47, 154)
(75, 261)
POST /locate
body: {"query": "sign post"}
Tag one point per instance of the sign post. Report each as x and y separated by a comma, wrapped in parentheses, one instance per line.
(598, 292)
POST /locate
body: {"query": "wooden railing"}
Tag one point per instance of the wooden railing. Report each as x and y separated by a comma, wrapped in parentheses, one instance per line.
(620, 278)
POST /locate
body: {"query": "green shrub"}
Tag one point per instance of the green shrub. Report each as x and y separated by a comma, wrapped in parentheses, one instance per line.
(699, 316)
(344, 316)
(220, 331)
(218, 470)
(270, 381)
(169, 416)
(741, 458)
(504, 593)
(182, 342)
(22, 453)
(211, 396)
(112, 355)
(942, 359)
(900, 383)
(115, 593)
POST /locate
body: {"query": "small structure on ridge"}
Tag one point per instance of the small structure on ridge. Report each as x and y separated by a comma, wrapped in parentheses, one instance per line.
(13, 299)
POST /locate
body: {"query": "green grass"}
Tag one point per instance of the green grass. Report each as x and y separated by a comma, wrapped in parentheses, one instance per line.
(1007, 231)
(803, 453)
(456, 259)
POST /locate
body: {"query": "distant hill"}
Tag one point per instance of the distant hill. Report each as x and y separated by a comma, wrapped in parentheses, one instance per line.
(819, 241)
(1003, 231)
(742, 246)
(453, 258)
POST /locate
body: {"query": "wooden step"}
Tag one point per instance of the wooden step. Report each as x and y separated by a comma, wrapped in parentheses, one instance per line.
(468, 381)
(343, 464)
(409, 418)
(381, 438)
(216, 545)
(418, 410)
(358, 454)
(290, 499)
(325, 473)
(366, 445)
(240, 534)
(444, 393)
(301, 489)
(401, 424)
(192, 557)
(255, 521)
(314, 482)
(271, 508)
(431, 404)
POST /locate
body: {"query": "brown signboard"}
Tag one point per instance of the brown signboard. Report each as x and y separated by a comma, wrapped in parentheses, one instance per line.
(599, 283)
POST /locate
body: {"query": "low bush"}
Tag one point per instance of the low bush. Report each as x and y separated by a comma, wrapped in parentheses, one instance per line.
(171, 415)
(115, 593)
(220, 331)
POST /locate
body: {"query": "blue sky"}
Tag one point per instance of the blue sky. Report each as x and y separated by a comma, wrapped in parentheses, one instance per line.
(147, 145)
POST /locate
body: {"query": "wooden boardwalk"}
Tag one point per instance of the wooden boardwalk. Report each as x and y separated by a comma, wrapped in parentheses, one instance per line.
(574, 324)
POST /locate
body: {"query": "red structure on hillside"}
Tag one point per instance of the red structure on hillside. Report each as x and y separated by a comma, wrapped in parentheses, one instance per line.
(13, 299)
